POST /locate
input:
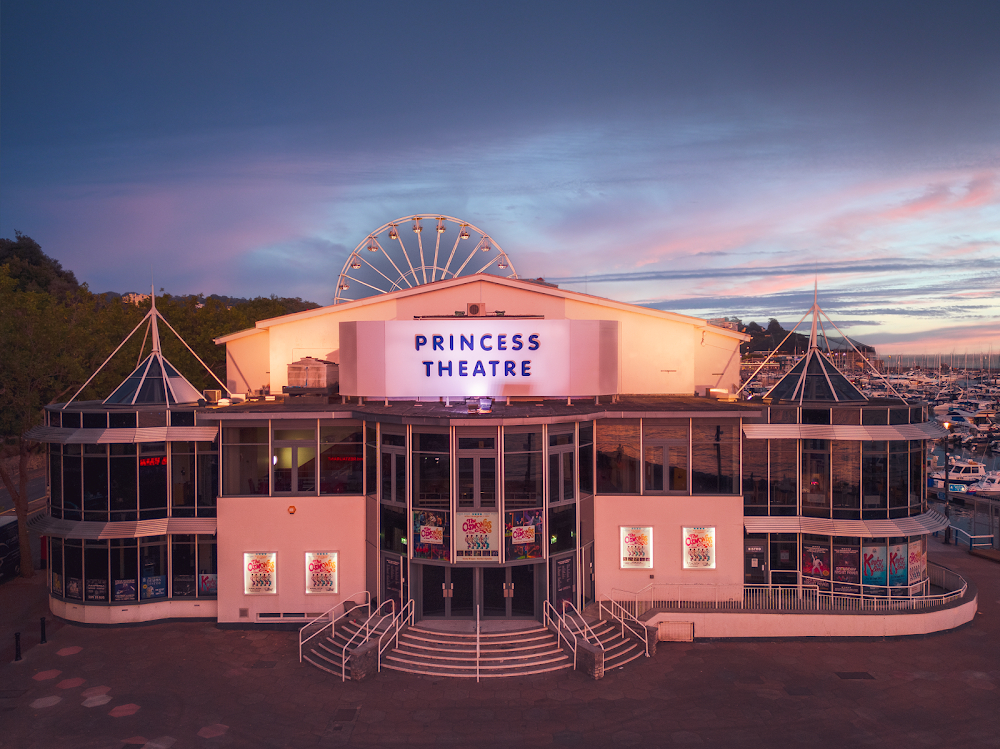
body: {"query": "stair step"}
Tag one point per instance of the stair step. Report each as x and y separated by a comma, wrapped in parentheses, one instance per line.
(484, 649)
(471, 664)
(471, 657)
(330, 668)
(486, 675)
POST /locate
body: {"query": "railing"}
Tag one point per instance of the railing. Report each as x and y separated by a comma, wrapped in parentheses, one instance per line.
(805, 597)
(627, 621)
(565, 624)
(367, 629)
(330, 618)
(477, 644)
(391, 634)
(974, 541)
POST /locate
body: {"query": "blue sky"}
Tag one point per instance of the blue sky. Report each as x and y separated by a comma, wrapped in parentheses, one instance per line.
(707, 158)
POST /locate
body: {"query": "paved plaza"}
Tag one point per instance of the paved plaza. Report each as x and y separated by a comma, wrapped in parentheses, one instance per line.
(190, 684)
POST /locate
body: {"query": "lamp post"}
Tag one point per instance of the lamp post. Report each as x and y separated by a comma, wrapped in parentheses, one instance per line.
(947, 485)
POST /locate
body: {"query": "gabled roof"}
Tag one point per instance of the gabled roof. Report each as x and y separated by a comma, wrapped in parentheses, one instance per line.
(517, 283)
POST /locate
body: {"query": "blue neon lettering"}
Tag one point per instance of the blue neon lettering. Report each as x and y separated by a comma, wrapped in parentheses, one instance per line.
(421, 340)
(470, 342)
(482, 343)
(494, 363)
(508, 368)
(526, 368)
(479, 369)
(515, 341)
(437, 343)
(442, 368)
(533, 342)
(463, 369)
(427, 366)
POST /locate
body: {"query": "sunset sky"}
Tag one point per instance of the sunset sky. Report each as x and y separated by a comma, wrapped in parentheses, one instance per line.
(709, 158)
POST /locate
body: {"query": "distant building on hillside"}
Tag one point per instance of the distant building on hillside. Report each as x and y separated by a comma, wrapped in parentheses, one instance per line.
(134, 298)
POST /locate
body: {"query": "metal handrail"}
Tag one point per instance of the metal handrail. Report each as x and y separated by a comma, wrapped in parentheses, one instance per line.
(333, 619)
(587, 630)
(626, 620)
(367, 630)
(477, 643)
(973, 539)
(560, 623)
(571, 626)
(406, 614)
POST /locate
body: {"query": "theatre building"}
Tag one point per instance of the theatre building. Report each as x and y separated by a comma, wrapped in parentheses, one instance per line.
(538, 445)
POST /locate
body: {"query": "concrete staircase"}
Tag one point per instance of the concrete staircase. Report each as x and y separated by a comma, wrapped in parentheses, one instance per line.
(617, 650)
(327, 652)
(532, 649)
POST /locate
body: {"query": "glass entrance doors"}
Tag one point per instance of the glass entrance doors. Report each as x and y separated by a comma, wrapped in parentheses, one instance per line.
(501, 592)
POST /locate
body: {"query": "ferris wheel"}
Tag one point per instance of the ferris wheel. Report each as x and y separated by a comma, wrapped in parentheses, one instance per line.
(384, 262)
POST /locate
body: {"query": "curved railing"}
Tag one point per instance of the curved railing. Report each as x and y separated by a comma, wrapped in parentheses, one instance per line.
(330, 617)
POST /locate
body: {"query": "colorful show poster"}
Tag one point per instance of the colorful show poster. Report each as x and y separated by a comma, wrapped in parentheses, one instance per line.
(846, 569)
(636, 547)
(57, 583)
(523, 534)
(431, 536)
(260, 573)
(874, 570)
(816, 562)
(698, 548)
(897, 554)
(321, 572)
(154, 586)
(74, 588)
(125, 590)
(477, 537)
(208, 584)
(97, 590)
(917, 561)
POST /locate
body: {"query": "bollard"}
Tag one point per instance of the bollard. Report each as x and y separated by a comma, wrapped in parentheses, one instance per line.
(43, 640)
(17, 646)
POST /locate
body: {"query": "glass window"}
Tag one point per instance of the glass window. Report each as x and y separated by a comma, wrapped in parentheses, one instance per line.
(815, 415)
(846, 479)
(393, 530)
(665, 455)
(70, 420)
(779, 415)
(846, 416)
(208, 577)
(916, 475)
(618, 456)
(73, 553)
(182, 418)
(586, 457)
(371, 458)
(56, 561)
(783, 476)
(55, 480)
(899, 416)
(562, 528)
(784, 558)
(152, 486)
(151, 418)
(899, 495)
(294, 470)
(123, 492)
(208, 478)
(341, 462)
(182, 573)
(875, 417)
(95, 421)
(874, 471)
(755, 477)
(816, 478)
(72, 482)
(431, 471)
(715, 457)
(522, 468)
(95, 562)
(153, 567)
(122, 420)
(125, 569)
(182, 479)
(299, 435)
(245, 469)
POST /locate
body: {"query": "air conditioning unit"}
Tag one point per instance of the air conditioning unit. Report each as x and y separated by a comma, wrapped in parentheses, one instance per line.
(475, 309)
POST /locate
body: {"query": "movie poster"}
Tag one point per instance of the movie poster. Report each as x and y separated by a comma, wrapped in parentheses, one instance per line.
(57, 584)
(523, 534)
(153, 586)
(917, 561)
(816, 564)
(74, 588)
(432, 539)
(321, 572)
(208, 584)
(126, 590)
(698, 548)
(846, 569)
(260, 573)
(477, 537)
(897, 554)
(874, 569)
(636, 547)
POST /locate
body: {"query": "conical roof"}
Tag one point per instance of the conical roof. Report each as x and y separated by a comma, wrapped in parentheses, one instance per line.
(154, 381)
(815, 378)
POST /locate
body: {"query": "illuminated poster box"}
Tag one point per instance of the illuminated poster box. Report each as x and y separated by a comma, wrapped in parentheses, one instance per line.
(477, 537)
(321, 572)
(260, 573)
(636, 547)
(698, 548)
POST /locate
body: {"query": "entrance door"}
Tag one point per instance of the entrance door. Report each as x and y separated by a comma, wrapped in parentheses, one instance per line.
(509, 591)
(447, 591)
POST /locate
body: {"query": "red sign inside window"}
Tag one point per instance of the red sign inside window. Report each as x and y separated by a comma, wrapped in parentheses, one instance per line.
(153, 461)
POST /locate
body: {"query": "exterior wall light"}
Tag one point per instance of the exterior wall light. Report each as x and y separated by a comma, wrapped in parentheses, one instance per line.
(291, 509)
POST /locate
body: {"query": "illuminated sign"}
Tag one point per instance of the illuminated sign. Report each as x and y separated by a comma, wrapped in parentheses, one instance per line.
(477, 537)
(321, 572)
(698, 548)
(260, 573)
(152, 461)
(480, 356)
(636, 547)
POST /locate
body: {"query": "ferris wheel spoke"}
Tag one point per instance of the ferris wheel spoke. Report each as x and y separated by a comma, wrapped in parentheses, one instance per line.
(437, 246)
(471, 255)
(490, 263)
(389, 258)
(392, 284)
(444, 271)
(357, 280)
(399, 238)
(423, 263)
